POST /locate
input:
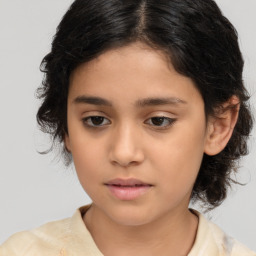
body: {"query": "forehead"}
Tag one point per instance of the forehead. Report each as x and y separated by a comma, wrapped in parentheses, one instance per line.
(129, 73)
(113, 61)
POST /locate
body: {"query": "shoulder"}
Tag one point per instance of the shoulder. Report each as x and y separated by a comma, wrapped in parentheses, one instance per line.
(223, 244)
(240, 249)
(59, 238)
(49, 239)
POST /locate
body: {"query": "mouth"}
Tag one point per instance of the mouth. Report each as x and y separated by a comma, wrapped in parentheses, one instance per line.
(127, 189)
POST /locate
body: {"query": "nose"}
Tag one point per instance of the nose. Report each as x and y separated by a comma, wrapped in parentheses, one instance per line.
(126, 147)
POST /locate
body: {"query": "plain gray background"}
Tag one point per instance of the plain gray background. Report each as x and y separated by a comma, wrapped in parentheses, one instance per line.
(34, 189)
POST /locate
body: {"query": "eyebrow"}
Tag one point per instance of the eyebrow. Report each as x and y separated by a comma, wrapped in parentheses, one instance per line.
(139, 103)
(159, 101)
(92, 100)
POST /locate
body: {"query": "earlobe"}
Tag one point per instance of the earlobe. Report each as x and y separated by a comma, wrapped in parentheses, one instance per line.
(221, 126)
(67, 142)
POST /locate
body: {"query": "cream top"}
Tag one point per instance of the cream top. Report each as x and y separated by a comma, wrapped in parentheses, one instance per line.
(70, 237)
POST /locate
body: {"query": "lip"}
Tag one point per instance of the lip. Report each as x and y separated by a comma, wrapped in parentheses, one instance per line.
(127, 189)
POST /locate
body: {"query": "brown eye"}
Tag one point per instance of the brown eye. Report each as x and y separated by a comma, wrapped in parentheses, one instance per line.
(160, 121)
(95, 121)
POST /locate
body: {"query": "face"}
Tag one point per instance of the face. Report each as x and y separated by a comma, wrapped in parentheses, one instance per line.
(137, 134)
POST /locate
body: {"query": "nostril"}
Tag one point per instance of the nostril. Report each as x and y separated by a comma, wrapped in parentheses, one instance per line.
(125, 164)
(124, 149)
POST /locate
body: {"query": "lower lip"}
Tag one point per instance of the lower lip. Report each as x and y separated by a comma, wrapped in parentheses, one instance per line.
(128, 193)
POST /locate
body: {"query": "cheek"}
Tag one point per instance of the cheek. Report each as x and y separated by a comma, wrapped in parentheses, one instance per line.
(179, 158)
(87, 157)
(88, 166)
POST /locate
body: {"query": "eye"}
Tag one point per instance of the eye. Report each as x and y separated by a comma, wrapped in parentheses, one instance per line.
(95, 121)
(161, 121)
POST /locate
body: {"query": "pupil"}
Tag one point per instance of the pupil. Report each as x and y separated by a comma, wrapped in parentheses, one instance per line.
(157, 120)
(97, 120)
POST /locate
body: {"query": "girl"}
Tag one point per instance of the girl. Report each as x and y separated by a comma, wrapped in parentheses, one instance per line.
(148, 101)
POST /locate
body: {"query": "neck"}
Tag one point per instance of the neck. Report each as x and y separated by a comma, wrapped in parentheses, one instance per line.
(174, 233)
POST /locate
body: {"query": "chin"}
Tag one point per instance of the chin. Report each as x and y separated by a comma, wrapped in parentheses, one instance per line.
(130, 221)
(130, 217)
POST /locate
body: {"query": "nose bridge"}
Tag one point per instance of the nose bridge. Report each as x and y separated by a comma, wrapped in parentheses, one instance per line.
(126, 145)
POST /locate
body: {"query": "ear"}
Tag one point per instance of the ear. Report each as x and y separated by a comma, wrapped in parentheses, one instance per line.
(67, 142)
(220, 126)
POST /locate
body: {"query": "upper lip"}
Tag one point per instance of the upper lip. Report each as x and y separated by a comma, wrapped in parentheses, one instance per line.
(126, 182)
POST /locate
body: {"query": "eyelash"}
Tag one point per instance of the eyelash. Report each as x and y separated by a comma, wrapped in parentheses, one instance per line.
(164, 118)
(85, 121)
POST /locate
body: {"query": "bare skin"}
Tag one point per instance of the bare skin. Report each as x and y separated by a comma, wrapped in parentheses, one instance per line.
(133, 119)
(175, 236)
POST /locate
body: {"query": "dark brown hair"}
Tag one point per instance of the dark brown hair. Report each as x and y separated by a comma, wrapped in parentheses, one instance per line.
(200, 42)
